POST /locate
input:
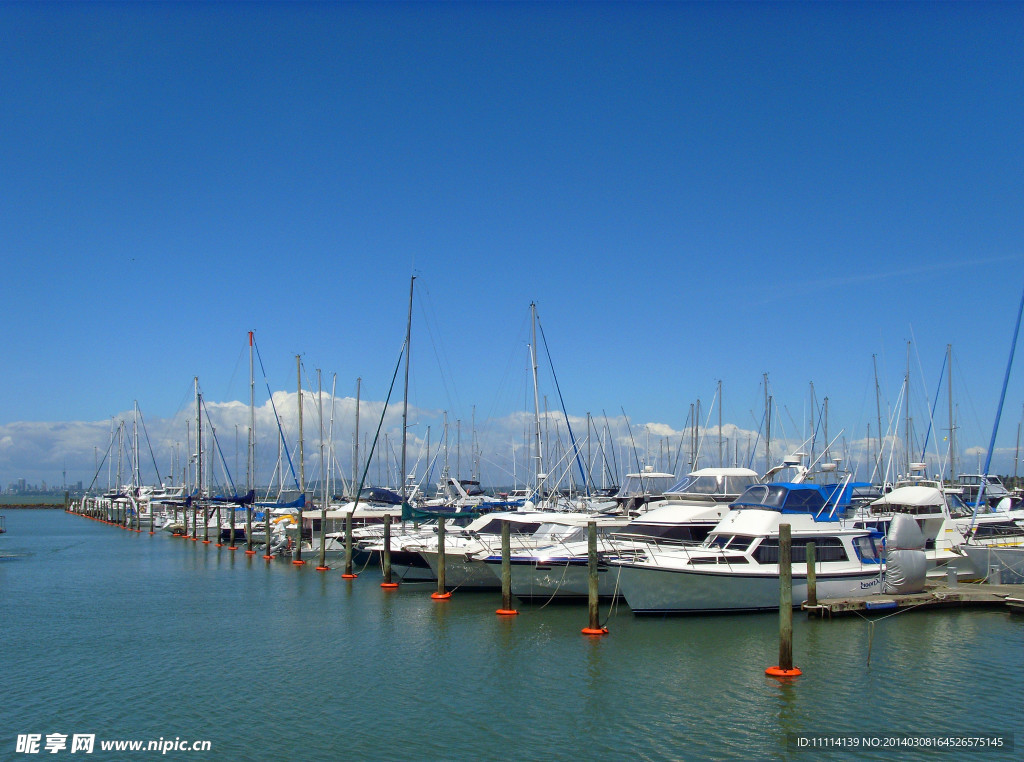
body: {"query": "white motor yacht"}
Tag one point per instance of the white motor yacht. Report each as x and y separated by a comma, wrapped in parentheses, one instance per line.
(737, 567)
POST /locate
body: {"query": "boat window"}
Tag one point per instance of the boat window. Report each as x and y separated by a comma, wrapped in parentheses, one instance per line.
(763, 496)
(680, 532)
(645, 484)
(734, 485)
(699, 485)
(574, 535)
(825, 549)
(738, 542)
(868, 549)
(998, 529)
(916, 510)
(729, 560)
(957, 508)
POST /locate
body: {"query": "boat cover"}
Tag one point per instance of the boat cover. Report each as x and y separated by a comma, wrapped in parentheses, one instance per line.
(905, 562)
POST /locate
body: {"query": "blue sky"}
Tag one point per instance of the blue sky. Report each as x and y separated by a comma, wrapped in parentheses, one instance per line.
(689, 192)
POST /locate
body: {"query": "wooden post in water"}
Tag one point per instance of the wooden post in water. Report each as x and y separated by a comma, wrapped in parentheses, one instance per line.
(785, 666)
(195, 521)
(387, 584)
(594, 627)
(348, 546)
(248, 530)
(323, 539)
(441, 594)
(231, 536)
(506, 570)
(152, 519)
(268, 554)
(217, 538)
(812, 576)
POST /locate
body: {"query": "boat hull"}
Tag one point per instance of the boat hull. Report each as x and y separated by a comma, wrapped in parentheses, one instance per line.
(562, 580)
(657, 590)
(463, 573)
(1002, 565)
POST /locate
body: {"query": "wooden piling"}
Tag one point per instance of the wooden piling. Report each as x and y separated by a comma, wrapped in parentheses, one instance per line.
(217, 538)
(506, 570)
(348, 546)
(812, 576)
(297, 554)
(441, 594)
(248, 530)
(387, 584)
(785, 666)
(594, 627)
(322, 566)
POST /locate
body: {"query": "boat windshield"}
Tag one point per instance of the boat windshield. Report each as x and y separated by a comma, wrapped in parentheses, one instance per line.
(738, 542)
(379, 495)
(712, 485)
(646, 484)
(785, 498)
(957, 508)
(515, 527)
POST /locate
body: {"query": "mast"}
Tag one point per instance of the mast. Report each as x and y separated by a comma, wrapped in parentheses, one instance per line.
(767, 427)
(906, 428)
(250, 461)
(137, 470)
(536, 398)
(825, 428)
(302, 469)
(355, 448)
(302, 460)
(952, 424)
(250, 458)
(199, 441)
(720, 461)
(405, 396)
(330, 438)
(878, 413)
(320, 410)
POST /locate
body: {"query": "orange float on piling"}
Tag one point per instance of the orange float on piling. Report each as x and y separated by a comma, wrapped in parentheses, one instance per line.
(594, 630)
(298, 562)
(323, 568)
(349, 576)
(780, 672)
(250, 552)
(441, 596)
(506, 612)
(389, 585)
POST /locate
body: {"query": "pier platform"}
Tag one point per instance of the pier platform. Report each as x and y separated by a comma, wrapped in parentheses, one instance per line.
(934, 596)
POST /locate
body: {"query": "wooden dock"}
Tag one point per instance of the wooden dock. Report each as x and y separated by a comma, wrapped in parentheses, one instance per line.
(934, 596)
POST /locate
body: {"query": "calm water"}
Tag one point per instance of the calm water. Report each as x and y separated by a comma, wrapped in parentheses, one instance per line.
(128, 636)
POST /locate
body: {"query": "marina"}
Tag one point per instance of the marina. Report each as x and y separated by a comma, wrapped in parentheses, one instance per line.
(512, 381)
(109, 602)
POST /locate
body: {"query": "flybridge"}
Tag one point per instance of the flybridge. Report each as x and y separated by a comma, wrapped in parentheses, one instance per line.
(788, 497)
